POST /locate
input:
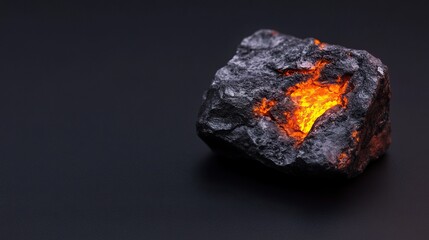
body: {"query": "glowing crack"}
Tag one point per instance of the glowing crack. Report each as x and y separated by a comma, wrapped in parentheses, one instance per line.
(311, 99)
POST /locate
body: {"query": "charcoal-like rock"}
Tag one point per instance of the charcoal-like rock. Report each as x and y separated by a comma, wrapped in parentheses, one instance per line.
(299, 105)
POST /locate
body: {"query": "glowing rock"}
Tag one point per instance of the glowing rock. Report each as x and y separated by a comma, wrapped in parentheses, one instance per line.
(299, 105)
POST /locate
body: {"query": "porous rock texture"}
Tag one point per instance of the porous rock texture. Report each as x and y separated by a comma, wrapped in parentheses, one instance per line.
(301, 106)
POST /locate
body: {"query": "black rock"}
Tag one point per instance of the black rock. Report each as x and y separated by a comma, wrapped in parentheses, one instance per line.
(299, 105)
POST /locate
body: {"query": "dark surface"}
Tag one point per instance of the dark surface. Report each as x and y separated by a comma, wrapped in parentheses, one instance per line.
(98, 106)
(266, 66)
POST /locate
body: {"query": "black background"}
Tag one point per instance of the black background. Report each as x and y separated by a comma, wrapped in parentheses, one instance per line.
(98, 103)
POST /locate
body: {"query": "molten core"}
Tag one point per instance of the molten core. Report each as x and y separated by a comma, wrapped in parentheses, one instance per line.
(311, 99)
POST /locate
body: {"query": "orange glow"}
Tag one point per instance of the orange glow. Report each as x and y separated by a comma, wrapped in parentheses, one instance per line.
(319, 43)
(355, 136)
(343, 161)
(312, 99)
(264, 107)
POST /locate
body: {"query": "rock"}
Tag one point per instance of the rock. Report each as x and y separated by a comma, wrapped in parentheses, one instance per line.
(299, 105)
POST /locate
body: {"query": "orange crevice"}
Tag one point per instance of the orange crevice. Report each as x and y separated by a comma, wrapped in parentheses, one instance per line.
(355, 136)
(343, 160)
(264, 107)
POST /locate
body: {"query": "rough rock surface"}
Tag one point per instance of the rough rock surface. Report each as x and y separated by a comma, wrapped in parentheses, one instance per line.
(299, 105)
